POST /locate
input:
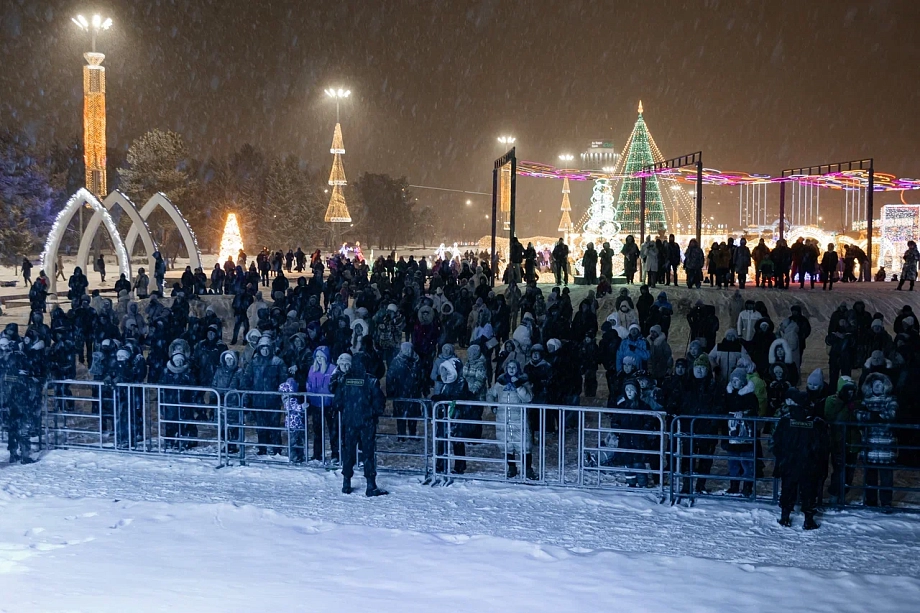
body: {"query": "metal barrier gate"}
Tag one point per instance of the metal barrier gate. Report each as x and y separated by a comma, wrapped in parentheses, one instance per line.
(550, 444)
(743, 462)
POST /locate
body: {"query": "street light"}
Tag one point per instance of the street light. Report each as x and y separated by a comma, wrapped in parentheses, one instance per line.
(338, 94)
(469, 202)
(94, 26)
(608, 169)
(506, 140)
(566, 157)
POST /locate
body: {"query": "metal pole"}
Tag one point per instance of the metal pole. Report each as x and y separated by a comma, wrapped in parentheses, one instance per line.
(641, 226)
(513, 198)
(699, 201)
(782, 209)
(494, 217)
(869, 211)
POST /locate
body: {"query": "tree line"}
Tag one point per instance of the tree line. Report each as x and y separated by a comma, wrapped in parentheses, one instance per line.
(280, 201)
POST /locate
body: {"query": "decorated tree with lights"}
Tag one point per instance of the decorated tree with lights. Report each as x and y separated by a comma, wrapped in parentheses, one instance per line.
(565, 223)
(640, 152)
(231, 242)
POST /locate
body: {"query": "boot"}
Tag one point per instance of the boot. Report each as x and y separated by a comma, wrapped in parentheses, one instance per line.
(747, 489)
(512, 466)
(346, 485)
(700, 486)
(529, 473)
(31, 461)
(373, 490)
(810, 523)
(784, 520)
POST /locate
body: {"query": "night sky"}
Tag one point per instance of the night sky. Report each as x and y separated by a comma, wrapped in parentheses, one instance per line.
(758, 86)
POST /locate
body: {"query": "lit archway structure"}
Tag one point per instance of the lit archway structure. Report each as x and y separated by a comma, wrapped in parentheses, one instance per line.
(137, 221)
(53, 242)
(185, 231)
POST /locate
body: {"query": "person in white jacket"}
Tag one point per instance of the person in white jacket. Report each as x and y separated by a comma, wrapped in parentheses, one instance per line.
(747, 321)
(512, 388)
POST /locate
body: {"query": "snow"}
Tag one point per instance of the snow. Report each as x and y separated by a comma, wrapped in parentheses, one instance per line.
(93, 531)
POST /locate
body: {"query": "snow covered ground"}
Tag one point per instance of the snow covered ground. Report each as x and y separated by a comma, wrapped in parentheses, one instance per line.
(91, 531)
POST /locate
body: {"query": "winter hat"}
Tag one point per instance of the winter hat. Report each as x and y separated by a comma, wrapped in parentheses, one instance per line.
(253, 336)
(877, 323)
(474, 352)
(631, 360)
(681, 362)
(877, 357)
(288, 387)
(816, 379)
(740, 374)
(636, 326)
(392, 307)
(662, 295)
(122, 355)
(265, 341)
(538, 347)
(553, 344)
(702, 361)
(633, 384)
(447, 371)
(343, 359)
(745, 364)
(405, 348)
(731, 334)
(655, 328)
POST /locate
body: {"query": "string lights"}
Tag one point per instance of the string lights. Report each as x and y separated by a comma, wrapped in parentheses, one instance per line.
(231, 241)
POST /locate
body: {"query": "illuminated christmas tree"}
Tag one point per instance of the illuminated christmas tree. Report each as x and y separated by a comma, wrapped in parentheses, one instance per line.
(565, 224)
(231, 242)
(337, 211)
(640, 152)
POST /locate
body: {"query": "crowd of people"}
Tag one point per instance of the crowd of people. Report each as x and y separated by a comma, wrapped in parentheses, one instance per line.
(406, 331)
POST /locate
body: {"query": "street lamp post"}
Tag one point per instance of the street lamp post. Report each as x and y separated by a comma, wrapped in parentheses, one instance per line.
(94, 156)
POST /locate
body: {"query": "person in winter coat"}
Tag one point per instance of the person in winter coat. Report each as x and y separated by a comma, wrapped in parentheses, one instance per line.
(22, 381)
(740, 402)
(841, 409)
(454, 389)
(626, 315)
(606, 258)
(322, 412)
(911, 258)
(800, 444)
(361, 402)
(742, 262)
(227, 379)
(841, 350)
(511, 389)
(674, 386)
(475, 373)
(747, 321)
(788, 331)
(630, 253)
(634, 346)
(702, 396)
(877, 412)
(777, 385)
(660, 358)
(649, 255)
(265, 373)
(178, 373)
(693, 264)
(758, 348)
(631, 400)
(829, 262)
(404, 382)
(781, 353)
(589, 265)
(294, 421)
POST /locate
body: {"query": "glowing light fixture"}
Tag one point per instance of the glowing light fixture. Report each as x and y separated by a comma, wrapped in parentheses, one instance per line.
(506, 140)
(231, 242)
(94, 156)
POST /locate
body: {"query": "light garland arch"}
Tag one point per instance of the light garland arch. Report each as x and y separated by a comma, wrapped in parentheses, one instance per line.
(53, 242)
(185, 231)
(117, 197)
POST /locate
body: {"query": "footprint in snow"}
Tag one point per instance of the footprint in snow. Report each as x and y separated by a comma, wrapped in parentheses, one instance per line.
(122, 523)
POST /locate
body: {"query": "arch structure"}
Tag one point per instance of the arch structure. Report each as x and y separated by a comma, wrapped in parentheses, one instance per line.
(185, 231)
(89, 234)
(53, 242)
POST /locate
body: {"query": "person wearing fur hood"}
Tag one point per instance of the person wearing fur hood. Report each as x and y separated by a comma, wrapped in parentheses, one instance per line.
(740, 402)
(512, 388)
(660, 359)
(877, 412)
(780, 353)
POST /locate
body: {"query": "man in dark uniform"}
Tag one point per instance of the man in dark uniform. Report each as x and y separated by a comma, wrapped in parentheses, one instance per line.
(359, 398)
(22, 391)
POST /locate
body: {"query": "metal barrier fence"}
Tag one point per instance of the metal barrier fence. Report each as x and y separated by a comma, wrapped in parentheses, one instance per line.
(534, 444)
(550, 444)
(877, 465)
(721, 448)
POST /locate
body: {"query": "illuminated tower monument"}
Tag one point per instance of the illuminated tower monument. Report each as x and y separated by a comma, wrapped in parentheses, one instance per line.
(94, 108)
(565, 224)
(640, 152)
(337, 211)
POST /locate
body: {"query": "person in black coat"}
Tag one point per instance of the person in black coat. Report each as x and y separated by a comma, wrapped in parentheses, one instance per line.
(359, 398)
(702, 396)
(800, 444)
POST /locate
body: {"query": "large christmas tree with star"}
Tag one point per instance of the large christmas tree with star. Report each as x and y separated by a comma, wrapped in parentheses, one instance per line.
(640, 152)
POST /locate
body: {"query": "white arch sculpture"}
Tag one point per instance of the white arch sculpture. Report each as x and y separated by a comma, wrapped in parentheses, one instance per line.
(53, 242)
(137, 221)
(185, 231)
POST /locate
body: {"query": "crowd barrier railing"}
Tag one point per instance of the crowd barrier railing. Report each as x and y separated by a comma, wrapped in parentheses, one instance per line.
(550, 444)
(726, 450)
(77, 413)
(875, 466)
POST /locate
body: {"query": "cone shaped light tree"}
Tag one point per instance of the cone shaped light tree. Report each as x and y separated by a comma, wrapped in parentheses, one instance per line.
(231, 242)
(565, 224)
(641, 151)
(337, 211)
